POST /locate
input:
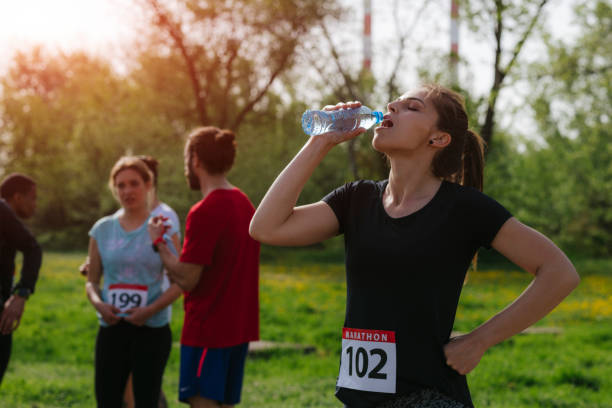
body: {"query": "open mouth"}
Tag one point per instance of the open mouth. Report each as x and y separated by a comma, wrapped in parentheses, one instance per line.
(386, 123)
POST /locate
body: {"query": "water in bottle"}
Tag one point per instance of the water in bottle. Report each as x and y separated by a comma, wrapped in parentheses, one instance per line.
(315, 122)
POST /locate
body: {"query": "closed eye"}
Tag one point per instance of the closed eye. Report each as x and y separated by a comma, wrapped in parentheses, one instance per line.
(412, 103)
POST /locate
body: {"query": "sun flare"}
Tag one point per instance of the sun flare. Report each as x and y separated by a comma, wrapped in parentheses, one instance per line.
(64, 24)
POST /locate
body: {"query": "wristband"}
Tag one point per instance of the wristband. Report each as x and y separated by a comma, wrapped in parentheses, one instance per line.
(22, 292)
(159, 240)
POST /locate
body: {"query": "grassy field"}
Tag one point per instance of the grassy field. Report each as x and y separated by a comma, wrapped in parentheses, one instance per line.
(302, 301)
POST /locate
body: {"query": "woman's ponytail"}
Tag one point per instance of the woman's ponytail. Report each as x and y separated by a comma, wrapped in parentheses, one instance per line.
(462, 161)
(472, 171)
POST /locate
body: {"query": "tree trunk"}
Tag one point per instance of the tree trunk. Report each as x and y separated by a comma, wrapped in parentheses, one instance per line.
(488, 127)
(486, 132)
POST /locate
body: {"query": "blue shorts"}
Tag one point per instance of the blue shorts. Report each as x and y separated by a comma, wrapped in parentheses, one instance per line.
(213, 373)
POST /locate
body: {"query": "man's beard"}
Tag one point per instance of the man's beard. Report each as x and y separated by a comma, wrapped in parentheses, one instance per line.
(193, 180)
(23, 214)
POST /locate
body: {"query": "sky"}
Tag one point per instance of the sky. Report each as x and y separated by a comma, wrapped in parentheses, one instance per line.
(94, 25)
(103, 26)
(432, 32)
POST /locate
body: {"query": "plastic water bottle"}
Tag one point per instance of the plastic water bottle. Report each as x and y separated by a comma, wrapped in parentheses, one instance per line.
(315, 122)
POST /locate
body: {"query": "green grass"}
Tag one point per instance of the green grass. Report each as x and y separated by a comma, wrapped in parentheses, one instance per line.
(302, 301)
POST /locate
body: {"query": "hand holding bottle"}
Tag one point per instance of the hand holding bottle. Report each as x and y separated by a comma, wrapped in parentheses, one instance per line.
(277, 220)
(342, 117)
(341, 134)
(332, 137)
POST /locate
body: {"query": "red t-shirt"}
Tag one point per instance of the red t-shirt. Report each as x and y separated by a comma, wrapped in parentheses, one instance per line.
(223, 309)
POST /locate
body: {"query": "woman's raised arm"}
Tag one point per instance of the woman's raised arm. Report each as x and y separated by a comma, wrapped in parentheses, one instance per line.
(277, 221)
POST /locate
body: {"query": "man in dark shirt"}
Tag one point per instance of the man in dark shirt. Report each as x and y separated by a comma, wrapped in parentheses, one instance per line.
(17, 200)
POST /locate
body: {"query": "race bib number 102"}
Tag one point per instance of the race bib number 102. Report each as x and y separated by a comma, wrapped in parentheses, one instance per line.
(368, 360)
(127, 296)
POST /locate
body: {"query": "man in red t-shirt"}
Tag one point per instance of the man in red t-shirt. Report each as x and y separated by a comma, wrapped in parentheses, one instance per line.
(219, 271)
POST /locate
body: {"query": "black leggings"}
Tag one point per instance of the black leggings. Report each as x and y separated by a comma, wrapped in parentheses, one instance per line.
(124, 348)
(6, 341)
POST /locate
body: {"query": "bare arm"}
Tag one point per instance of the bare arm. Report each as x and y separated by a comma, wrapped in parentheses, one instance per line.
(94, 273)
(183, 274)
(554, 278)
(92, 287)
(173, 292)
(177, 243)
(277, 221)
(84, 267)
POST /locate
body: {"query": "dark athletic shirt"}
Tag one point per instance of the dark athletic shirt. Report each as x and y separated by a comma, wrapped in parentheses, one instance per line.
(14, 236)
(406, 274)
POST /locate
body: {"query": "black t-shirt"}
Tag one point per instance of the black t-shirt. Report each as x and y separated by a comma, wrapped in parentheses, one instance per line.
(406, 274)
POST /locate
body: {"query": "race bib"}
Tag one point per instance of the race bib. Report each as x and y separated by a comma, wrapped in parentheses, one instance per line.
(368, 360)
(126, 296)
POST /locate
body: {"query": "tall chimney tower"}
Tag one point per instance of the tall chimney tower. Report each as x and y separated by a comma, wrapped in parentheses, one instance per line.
(367, 35)
(454, 34)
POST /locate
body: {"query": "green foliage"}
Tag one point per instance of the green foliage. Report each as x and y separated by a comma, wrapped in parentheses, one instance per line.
(63, 125)
(302, 301)
(563, 186)
(66, 118)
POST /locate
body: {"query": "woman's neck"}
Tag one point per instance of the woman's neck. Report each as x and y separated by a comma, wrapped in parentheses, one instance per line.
(410, 180)
(155, 202)
(133, 218)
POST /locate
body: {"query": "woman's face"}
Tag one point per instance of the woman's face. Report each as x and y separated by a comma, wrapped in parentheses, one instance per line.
(131, 189)
(408, 124)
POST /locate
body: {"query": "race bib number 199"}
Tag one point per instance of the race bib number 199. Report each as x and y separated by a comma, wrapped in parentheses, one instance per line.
(126, 296)
(368, 360)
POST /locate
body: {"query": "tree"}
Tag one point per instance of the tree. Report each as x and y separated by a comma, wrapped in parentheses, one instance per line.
(572, 101)
(232, 51)
(342, 78)
(65, 119)
(515, 18)
(52, 110)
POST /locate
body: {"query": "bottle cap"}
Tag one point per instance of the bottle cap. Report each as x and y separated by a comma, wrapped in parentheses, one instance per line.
(378, 115)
